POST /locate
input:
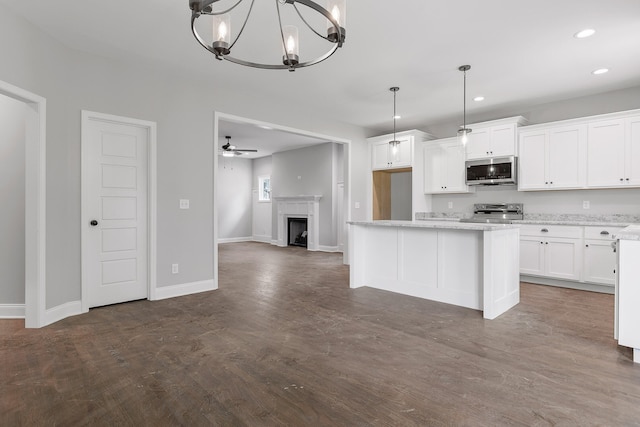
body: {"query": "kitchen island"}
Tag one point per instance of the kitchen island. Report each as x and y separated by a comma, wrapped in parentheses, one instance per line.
(470, 265)
(628, 289)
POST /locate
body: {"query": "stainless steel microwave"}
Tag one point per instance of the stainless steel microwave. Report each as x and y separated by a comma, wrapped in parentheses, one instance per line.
(492, 171)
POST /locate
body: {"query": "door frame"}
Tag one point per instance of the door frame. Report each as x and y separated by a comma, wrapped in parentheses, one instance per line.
(217, 116)
(151, 198)
(35, 203)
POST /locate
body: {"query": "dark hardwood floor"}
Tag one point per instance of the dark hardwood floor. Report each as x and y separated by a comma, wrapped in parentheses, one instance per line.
(284, 341)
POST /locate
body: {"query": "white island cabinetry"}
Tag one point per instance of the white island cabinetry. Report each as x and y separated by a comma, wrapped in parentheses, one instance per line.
(628, 290)
(470, 265)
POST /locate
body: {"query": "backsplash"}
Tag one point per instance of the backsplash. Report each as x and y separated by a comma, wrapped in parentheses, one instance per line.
(601, 202)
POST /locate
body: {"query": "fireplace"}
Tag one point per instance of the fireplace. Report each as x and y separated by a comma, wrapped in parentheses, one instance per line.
(299, 207)
(297, 232)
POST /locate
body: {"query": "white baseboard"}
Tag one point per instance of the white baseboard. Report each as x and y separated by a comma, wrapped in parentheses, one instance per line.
(164, 292)
(68, 309)
(263, 239)
(235, 239)
(322, 248)
(12, 311)
(275, 242)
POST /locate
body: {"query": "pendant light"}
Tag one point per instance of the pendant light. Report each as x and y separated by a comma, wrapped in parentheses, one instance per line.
(394, 144)
(464, 132)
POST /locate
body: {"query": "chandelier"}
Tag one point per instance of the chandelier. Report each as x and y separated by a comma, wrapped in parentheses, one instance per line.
(222, 40)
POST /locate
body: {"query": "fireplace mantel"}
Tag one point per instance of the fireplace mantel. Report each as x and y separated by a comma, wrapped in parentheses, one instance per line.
(302, 206)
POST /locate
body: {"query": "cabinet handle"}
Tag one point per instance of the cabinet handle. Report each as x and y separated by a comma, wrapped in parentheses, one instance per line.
(546, 182)
(627, 179)
(604, 233)
(544, 230)
(551, 182)
(621, 179)
(542, 243)
(546, 243)
(586, 246)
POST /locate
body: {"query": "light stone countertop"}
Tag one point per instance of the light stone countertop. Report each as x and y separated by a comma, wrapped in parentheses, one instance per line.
(445, 224)
(632, 232)
(613, 220)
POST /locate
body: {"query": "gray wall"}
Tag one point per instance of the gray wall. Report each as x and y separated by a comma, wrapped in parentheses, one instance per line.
(315, 168)
(183, 108)
(12, 199)
(401, 195)
(234, 197)
(262, 211)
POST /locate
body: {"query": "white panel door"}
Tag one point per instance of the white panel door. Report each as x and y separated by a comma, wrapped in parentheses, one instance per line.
(632, 167)
(605, 154)
(566, 166)
(380, 155)
(454, 173)
(479, 144)
(531, 256)
(115, 250)
(533, 161)
(503, 140)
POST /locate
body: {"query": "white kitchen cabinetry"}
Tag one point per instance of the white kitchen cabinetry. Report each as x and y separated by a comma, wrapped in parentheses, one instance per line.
(386, 156)
(613, 150)
(551, 251)
(444, 167)
(497, 138)
(599, 258)
(552, 158)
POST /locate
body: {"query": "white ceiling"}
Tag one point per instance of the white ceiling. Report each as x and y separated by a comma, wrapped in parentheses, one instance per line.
(522, 53)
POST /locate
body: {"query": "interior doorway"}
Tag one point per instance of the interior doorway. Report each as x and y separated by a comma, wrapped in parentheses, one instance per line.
(34, 308)
(222, 121)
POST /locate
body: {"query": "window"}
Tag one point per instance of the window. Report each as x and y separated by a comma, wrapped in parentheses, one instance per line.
(264, 188)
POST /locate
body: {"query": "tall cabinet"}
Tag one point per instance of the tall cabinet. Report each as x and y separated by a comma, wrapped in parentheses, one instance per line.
(387, 163)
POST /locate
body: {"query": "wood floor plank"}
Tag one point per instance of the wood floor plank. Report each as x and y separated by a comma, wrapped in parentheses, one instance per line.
(284, 341)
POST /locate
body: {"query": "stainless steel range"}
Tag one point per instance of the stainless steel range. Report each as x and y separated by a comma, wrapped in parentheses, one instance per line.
(500, 213)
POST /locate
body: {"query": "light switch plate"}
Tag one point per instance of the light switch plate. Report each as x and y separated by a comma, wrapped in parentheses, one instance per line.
(450, 205)
(357, 205)
(174, 269)
(586, 204)
(184, 203)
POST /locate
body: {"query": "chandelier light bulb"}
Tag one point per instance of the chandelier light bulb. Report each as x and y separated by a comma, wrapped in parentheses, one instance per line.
(464, 138)
(335, 12)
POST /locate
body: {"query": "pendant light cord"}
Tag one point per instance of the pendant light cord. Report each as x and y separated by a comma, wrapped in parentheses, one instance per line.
(464, 102)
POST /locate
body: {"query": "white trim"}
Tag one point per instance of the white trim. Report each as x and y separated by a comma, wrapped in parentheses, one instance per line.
(11, 311)
(151, 198)
(235, 239)
(262, 239)
(72, 308)
(237, 119)
(322, 248)
(164, 292)
(35, 203)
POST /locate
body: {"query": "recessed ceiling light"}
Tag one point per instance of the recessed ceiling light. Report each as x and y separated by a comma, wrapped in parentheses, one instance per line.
(587, 32)
(600, 71)
(397, 117)
(478, 98)
(265, 127)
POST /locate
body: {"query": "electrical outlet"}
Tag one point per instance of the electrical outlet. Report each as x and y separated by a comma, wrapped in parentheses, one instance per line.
(357, 205)
(174, 269)
(450, 205)
(586, 204)
(184, 203)
(299, 177)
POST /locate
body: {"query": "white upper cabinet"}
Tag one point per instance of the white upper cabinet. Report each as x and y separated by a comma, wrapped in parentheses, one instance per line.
(386, 156)
(444, 167)
(613, 152)
(497, 138)
(552, 158)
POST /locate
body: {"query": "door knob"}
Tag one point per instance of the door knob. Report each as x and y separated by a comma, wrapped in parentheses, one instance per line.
(93, 223)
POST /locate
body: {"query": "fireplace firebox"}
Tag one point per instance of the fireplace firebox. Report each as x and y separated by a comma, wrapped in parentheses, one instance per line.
(297, 232)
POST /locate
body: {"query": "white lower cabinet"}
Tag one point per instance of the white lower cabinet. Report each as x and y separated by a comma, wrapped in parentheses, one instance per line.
(550, 257)
(599, 258)
(574, 253)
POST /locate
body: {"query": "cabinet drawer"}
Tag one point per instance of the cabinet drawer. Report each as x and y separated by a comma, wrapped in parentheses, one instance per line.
(548, 230)
(601, 233)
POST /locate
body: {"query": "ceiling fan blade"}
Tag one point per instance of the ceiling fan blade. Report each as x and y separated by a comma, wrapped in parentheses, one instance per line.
(246, 150)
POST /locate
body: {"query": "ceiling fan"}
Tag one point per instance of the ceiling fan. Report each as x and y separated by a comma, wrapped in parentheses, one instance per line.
(229, 150)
